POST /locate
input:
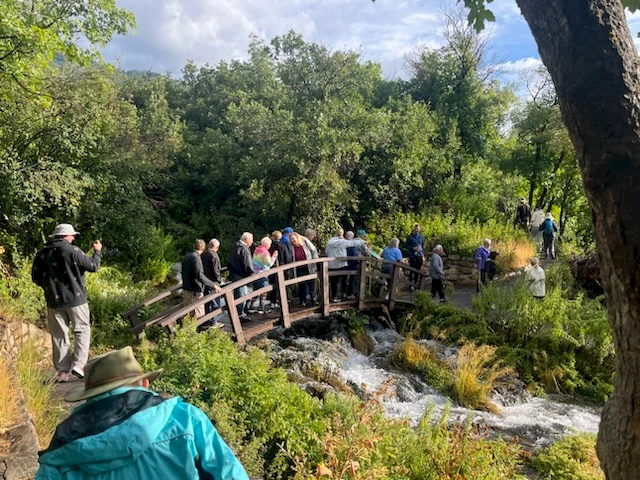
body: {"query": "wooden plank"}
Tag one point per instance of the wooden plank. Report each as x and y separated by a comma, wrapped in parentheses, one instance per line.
(305, 278)
(262, 327)
(157, 319)
(338, 273)
(393, 286)
(362, 284)
(150, 301)
(255, 293)
(423, 282)
(234, 317)
(281, 285)
(325, 301)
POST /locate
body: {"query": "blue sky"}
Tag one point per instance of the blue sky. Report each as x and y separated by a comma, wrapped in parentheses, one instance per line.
(170, 32)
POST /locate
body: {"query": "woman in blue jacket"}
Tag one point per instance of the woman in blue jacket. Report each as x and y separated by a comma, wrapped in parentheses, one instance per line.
(125, 431)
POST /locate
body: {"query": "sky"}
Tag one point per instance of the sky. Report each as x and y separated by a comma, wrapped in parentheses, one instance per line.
(171, 32)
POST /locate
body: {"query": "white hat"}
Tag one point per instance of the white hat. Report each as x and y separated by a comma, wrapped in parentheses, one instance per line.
(62, 230)
(548, 216)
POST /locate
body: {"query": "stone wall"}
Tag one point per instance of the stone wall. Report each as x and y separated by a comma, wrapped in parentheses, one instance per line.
(21, 463)
(458, 270)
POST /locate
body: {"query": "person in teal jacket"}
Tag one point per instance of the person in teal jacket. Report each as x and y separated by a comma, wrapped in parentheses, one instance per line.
(126, 431)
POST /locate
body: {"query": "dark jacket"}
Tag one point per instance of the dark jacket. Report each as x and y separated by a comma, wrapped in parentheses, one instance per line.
(491, 268)
(211, 265)
(59, 269)
(193, 277)
(415, 240)
(284, 252)
(240, 262)
(523, 213)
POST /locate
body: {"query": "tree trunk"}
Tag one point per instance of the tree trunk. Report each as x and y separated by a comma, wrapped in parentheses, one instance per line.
(588, 49)
(532, 189)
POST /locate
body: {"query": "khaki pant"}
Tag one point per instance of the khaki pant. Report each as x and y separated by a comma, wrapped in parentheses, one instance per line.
(59, 321)
(189, 297)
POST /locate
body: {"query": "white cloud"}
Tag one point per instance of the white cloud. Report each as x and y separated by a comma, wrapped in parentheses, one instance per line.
(520, 65)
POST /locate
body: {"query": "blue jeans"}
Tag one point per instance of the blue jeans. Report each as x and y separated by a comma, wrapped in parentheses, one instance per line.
(241, 292)
(212, 305)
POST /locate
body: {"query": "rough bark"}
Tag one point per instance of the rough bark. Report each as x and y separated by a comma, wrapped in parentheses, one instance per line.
(588, 49)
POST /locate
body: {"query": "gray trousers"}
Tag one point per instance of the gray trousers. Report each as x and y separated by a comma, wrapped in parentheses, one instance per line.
(59, 321)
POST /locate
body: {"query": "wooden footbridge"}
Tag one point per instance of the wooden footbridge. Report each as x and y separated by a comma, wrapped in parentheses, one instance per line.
(376, 289)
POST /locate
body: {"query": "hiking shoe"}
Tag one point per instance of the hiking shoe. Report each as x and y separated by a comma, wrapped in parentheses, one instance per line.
(443, 300)
(252, 310)
(62, 377)
(244, 316)
(78, 372)
(303, 304)
(336, 300)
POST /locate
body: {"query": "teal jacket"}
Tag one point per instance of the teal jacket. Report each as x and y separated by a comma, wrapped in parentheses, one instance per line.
(132, 433)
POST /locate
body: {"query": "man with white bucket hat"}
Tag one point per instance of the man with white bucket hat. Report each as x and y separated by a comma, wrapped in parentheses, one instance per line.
(126, 431)
(59, 269)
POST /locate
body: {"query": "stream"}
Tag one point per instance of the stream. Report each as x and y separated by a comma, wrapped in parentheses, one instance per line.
(535, 421)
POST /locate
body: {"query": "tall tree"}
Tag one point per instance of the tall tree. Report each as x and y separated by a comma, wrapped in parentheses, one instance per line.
(587, 47)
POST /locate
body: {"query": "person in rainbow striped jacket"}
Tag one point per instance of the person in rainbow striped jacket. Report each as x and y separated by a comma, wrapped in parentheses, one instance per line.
(262, 261)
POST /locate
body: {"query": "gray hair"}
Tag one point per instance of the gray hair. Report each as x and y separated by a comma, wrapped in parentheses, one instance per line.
(438, 248)
(394, 243)
(486, 242)
(535, 261)
(349, 235)
(214, 242)
(245, 237)
(265, 242)
(310, 233)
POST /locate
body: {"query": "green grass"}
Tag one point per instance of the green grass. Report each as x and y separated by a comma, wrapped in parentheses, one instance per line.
(572, 458)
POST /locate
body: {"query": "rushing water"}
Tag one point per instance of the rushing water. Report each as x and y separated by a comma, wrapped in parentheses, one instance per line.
(535, 421)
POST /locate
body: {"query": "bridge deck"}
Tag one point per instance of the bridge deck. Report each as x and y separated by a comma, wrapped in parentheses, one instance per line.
(392, 290)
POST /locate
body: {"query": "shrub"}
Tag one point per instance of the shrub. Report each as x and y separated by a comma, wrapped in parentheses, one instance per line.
(572, 458)
(8, 395)
(476, 373)
(417, 358)
(458, 235)
(20, 298)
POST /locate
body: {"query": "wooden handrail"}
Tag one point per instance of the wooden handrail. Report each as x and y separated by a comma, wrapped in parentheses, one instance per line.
(279, 284)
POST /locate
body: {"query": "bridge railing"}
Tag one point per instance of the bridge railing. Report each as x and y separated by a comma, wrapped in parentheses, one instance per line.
(369, 271)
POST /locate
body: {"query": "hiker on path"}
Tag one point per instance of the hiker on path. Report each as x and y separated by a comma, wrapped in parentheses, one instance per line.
(491, 267)
(523, 215)
(193, 278)
(481, 257)
(263, 260)
(436, 272)
(536, 278)
(549, 229)
(362, 251)
(337, 247)
(415, 246)
(59, 269)
(212, 270)
(240, 266)
(303, 249)
(391, 253)
(126, 431)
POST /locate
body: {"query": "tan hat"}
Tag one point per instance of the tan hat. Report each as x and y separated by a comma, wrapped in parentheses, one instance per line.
(109, 371)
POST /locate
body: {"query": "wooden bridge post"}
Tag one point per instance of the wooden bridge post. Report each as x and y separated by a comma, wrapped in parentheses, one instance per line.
(325, 301)
(234, 317)
(393, 286)
(423, 282)
(362, 283)
(283, 298)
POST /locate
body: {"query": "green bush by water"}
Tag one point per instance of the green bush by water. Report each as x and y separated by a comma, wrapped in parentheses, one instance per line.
(562, 343)
(572, 458)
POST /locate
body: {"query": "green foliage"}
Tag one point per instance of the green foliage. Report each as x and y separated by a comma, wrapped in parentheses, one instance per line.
(279, 430)
(562, 343)
(20, 298)
(572, 458)
(417, 358)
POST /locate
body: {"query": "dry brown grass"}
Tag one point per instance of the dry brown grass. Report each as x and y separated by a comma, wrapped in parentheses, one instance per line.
(41, 402)
(476, 373)
(513, 254)
(8, 401)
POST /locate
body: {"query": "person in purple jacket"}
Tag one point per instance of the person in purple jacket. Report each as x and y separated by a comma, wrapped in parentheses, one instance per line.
(481, 256)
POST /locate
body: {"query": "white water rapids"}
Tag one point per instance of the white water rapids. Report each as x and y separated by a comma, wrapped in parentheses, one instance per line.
(535, 421)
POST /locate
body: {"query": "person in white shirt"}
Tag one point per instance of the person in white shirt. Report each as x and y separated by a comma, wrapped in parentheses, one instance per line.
(536, 279)
(337, 247)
